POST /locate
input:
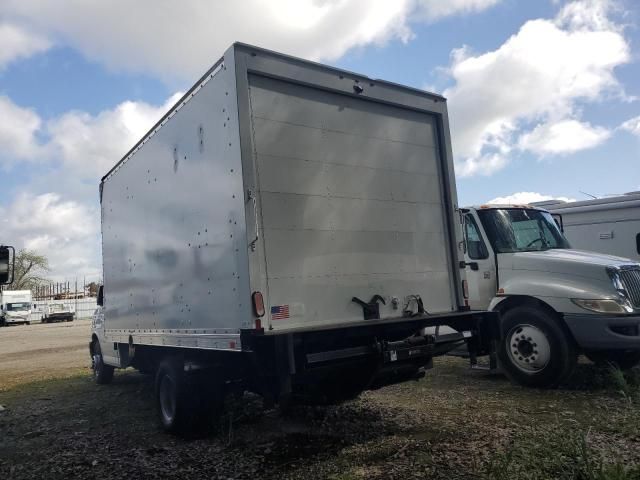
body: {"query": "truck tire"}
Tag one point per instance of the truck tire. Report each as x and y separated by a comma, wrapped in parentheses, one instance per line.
(621, 359)
(186, 403)
(102, 373)
(535, 351)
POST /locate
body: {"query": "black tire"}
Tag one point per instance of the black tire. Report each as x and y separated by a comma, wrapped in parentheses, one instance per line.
(102, 374)
(27, 323)
(622, 359)
(186, 403)
(527, 363)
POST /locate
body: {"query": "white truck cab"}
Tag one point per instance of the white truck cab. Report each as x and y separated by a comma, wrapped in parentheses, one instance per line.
(555, 302)
(16, 307)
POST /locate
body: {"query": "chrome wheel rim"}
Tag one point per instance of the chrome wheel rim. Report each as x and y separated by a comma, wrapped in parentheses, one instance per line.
(167, 399)
(528, 347)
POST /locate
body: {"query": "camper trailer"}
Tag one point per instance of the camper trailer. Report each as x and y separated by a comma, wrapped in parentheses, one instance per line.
(606, 225)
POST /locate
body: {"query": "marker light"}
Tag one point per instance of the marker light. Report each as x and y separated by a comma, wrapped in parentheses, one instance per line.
(258, 304)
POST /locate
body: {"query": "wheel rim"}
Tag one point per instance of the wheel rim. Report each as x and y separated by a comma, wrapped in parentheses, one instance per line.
(528, 347)
(167, 399)
(96, 360)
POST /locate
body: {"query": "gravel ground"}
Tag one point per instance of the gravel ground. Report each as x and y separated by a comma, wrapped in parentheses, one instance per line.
(40, 351)
(453, 424)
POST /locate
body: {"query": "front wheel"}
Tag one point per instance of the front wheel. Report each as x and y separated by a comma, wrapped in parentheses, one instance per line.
(102, 373)
(623, 360)
(535, 351)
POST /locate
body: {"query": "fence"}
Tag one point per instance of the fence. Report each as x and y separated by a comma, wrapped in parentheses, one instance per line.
(81, 295)
(84, 307)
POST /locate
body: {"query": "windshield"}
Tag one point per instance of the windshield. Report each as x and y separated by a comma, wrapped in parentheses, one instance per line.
(521, 230)
(18, 306)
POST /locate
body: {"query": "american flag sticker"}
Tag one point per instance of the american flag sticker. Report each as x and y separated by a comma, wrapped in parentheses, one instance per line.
(279, 312)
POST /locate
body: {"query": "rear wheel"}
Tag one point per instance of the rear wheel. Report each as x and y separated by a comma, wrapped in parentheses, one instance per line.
(185, 403)
(535, 350)
(623, 360)
(103, 374)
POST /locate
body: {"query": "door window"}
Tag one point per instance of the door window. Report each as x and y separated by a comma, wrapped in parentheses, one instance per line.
(476, 249)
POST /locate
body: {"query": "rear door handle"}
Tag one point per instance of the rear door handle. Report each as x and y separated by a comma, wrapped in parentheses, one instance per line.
(473, 265)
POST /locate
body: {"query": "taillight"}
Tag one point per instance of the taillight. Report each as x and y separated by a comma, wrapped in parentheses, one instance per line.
(465, 289)
(258, 304)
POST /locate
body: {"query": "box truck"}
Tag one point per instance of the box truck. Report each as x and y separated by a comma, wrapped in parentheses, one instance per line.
(607, 225)
(15, 307)
(555, 302)
(289, 229)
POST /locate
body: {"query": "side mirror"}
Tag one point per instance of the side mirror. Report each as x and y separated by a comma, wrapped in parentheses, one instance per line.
(558, 219)
(7, 256)
(100, 299)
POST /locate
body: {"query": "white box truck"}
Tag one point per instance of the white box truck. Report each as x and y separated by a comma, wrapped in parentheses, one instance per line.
(15, 307)
(606, 225)
(287, 228)
(555, 302)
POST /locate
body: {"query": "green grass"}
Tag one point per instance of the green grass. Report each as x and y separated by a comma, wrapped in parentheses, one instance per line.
(555, 451)
(454, 424)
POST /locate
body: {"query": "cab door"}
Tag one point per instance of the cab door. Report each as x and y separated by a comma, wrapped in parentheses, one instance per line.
(479, 263)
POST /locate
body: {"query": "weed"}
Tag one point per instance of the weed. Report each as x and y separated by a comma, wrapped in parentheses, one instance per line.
(554, 452)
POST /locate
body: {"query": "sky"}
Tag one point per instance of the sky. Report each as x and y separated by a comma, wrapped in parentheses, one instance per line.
(543, 96)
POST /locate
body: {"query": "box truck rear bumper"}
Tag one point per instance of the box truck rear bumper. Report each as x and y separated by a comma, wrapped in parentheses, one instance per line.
(341, 362)
(602, 332)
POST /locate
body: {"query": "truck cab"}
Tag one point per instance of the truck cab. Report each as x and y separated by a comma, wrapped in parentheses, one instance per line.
(16, 307)
(555, 302)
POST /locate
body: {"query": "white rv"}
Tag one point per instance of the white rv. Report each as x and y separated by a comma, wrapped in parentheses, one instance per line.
(16, 307)
(606, 225)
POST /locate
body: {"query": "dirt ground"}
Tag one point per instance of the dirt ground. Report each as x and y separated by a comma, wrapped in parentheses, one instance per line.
(453, 424)
(39, 351)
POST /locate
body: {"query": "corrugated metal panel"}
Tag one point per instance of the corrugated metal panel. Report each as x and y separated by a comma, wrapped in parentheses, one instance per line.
(351, 203)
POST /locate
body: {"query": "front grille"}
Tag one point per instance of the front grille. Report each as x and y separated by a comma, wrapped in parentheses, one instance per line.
(630, 278)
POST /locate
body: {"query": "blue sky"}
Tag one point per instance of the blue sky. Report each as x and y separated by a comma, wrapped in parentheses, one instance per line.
(543, 95)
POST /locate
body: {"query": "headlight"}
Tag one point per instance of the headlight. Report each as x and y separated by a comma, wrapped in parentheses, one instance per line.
(602, 306)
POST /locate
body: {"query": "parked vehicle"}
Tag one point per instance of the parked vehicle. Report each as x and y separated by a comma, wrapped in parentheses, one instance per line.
(555, 302)
(287, 228)
(607, 225)
(15, 307)
(58, 311)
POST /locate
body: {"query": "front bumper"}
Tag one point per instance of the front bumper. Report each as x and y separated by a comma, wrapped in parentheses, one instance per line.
(603, 332)
(15, 320)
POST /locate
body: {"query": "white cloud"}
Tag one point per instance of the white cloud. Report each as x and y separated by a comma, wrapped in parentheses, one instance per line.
(540, 75)
(91, 145)
(77, 149)
(87, 145)
(67, 232)
(18, 128)
(525, 198)
(435, 9)
(565, 136)
(632, 126)
(18, 42)
(180, 39)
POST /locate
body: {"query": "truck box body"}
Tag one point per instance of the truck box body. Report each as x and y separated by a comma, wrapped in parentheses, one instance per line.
(275, 175)
(15, 306)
